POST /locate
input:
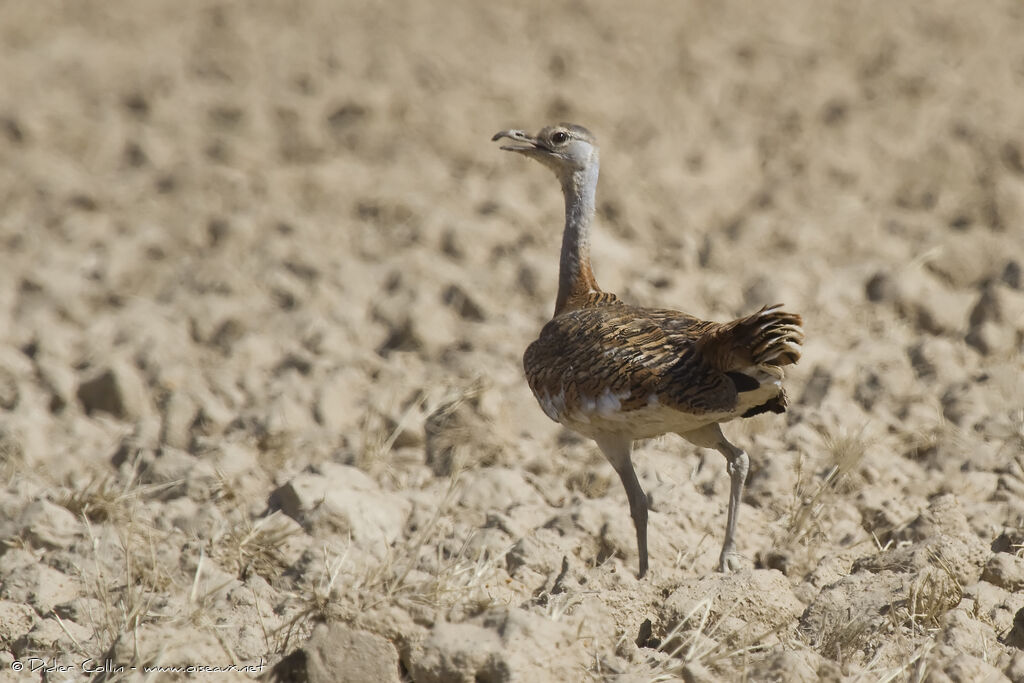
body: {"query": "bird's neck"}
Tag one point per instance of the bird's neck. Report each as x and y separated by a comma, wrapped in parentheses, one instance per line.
(575, 276)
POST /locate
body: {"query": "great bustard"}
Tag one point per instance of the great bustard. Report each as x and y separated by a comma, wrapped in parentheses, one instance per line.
(615, 372)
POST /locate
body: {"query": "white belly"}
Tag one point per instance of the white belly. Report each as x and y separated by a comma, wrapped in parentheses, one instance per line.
(603, 414)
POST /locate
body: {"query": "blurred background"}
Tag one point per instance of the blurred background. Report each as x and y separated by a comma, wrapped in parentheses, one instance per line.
(265, 235)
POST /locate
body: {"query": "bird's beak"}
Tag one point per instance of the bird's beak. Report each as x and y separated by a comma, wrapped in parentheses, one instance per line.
(524, 144)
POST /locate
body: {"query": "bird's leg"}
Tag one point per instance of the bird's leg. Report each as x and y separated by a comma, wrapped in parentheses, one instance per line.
(738, 464)
(617, 449)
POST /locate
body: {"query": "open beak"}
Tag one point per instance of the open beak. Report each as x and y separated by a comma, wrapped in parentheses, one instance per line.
(522, 143)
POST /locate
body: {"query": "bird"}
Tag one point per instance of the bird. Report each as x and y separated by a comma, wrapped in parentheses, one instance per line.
(615, 372)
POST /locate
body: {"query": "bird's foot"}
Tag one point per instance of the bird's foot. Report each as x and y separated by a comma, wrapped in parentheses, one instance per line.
(731, 561)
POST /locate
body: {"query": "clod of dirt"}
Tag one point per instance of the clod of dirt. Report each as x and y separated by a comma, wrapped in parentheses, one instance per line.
(503, 644)
(759, 599)
(16, 619)
(849, 614)
(178, 473)
(117, 390)
(963, 557)
(338, 652)
(39, 586)
(180, 412)
(51, 634)
(1006, 571)
(965, 633)
(1015, 636)
(341, 500)
(448, 430)
(49, 526)
(934, 307)
(9, 393)
(946, 664)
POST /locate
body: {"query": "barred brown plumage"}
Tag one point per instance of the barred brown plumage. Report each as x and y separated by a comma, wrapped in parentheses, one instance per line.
(616, 372)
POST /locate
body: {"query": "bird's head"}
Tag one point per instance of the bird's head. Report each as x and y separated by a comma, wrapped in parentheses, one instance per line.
(565, 148)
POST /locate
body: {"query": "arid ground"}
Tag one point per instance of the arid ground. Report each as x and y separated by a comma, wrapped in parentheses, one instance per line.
(265, 284)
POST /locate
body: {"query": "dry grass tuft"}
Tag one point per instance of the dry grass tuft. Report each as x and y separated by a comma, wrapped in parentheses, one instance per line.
(416, 575)
(803, 527)
(843, 637)
(256, 547)
(700, 640)
(132, 598)
(934, 592)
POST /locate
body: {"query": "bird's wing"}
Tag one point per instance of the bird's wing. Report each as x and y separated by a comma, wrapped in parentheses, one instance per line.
(632, 356)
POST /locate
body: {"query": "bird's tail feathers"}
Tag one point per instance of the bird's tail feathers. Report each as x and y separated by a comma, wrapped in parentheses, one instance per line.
(770, 336)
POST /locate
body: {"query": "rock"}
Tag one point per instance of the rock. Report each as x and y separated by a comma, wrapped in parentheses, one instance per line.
(47, 525)
(1006, 571)
(116, 390)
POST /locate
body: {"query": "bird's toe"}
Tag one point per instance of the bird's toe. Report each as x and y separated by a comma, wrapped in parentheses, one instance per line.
(732, 561)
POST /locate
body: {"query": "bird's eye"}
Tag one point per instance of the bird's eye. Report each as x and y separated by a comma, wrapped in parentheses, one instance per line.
(559, 138)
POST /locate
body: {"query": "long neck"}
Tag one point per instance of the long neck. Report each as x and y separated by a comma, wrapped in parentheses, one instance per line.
(575, 277)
